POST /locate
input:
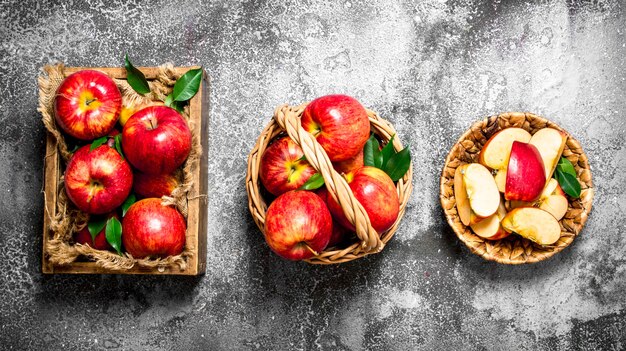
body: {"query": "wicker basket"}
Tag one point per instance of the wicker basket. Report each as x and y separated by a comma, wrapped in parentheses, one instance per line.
(514, 249)
(287, 119)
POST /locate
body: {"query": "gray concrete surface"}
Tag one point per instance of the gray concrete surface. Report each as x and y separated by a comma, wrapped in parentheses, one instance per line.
(431, 67)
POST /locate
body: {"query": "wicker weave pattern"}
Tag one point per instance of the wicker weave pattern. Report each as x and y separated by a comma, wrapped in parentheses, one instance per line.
(514, 249)
(287, 119)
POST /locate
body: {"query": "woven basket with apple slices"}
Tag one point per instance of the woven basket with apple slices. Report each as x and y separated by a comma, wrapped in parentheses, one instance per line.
(512, 231)
(287, 120)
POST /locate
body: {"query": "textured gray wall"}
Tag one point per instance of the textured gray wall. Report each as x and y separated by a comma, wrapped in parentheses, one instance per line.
(431, 67)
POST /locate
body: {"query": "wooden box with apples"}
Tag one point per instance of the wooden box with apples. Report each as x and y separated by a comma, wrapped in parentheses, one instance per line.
(125, 169)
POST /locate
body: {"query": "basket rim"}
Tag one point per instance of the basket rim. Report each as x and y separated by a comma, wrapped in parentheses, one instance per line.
(258, 207)
(471, 240)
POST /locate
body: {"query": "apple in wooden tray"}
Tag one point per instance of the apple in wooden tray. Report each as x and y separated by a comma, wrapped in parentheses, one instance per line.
(497, 150)
(533, 224)
(477, 196)
(282, 167)
(98, 241)
(154, 185)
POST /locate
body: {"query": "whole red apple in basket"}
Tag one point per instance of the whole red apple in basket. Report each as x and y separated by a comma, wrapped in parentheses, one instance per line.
(153, 229)
(154, 185)
(87, 104)
(339, 123)
(376, 192)
(99, 242)
(99, 180)
(156, 140)
(298, 225)
(282, 167)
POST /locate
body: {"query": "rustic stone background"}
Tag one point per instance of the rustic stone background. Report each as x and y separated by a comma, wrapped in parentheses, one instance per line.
(431, 67)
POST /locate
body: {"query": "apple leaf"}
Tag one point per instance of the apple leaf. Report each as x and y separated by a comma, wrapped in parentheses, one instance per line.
(169, 100)
(371, 153)
(98, 142)
(176, 105)
(95, 227)
(118, 144)
(113, 234)
(569, 183)
(303, 158)
(135, 78)
(131, 199)
(398, 164)
(314, 182)
(187, 85)
(387, 152)
(565, 166)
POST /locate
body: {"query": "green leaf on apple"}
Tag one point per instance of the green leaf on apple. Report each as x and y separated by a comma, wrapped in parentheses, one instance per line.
(303, 158)
(565, 166)
(176, 105)
(387, 152)
(131, 199)
(371, 153)
(314, 182)
(113, 234)
(398, 164)
(135, 78)
(98, 142)
(95, 227)
(568, 183)
(187, 85)
(118, 144)
(169, 100)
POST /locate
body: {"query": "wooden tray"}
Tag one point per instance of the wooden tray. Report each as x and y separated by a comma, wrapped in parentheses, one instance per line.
(197, 197)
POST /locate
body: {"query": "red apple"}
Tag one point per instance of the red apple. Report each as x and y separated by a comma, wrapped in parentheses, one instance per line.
(152, 229)
(100, 241)
(377, 194)
(298, 225)
(339, 123)
(525, 175)
(99, 180)
(339, 232)
(156, 140)
(350, 165)
(282, 167)
(87, 104)
(154, 185)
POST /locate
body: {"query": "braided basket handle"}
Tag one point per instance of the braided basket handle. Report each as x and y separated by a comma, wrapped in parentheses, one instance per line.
(289, 119)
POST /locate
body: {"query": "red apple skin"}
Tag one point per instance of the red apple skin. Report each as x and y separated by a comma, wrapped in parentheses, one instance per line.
(340, 124)
(376, 192)
(295, 220)
(526, 176)
(100, 241)
(339, 232)
(152, 229)
(87, 104)
(350, 165)
(282, 168)
(156, 140)
(99, 180)
(154, 185)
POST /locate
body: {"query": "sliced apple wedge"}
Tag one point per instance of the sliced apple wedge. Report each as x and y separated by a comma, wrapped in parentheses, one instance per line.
(482, 192)
(468, 217)
(500, 179)
(525, 175)
(550, 143)
(495, 153)
(533, 224)
(490, 228)
(553, 200)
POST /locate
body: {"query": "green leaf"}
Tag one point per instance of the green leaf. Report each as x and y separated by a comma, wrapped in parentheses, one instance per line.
(118, 144)
(565, 166)
(179, 106)
(303, 158)
(135, 78)
(169, 100)
(569, 183)
(98, 142)
(187, 85)
(371, 153)
(114, 234)
(95, 227)
(131, 199)
(315, 182)
(398, 164)
(388, 151)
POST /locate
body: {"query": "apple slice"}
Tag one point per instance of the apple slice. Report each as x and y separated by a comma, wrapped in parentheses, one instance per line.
(496, 151)
(550, 143)
(553, 200)
(500, 179)
(525, 175)
(490, 228)
(466, 214)
(533, 224)
(481, 189)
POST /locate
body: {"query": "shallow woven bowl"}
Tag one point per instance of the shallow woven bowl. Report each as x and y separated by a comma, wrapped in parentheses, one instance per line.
(514, 249)
(287, 120)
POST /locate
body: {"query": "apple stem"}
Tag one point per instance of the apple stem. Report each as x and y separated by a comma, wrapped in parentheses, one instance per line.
(89, 101)
(310, 249)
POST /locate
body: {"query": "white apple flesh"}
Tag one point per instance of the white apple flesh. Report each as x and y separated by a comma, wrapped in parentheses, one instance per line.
(490, 228)
(550, 144)
(533, 224)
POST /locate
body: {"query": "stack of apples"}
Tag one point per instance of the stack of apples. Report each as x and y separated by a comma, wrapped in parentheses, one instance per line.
(299, 224)
(100, 178)
(511, 189)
